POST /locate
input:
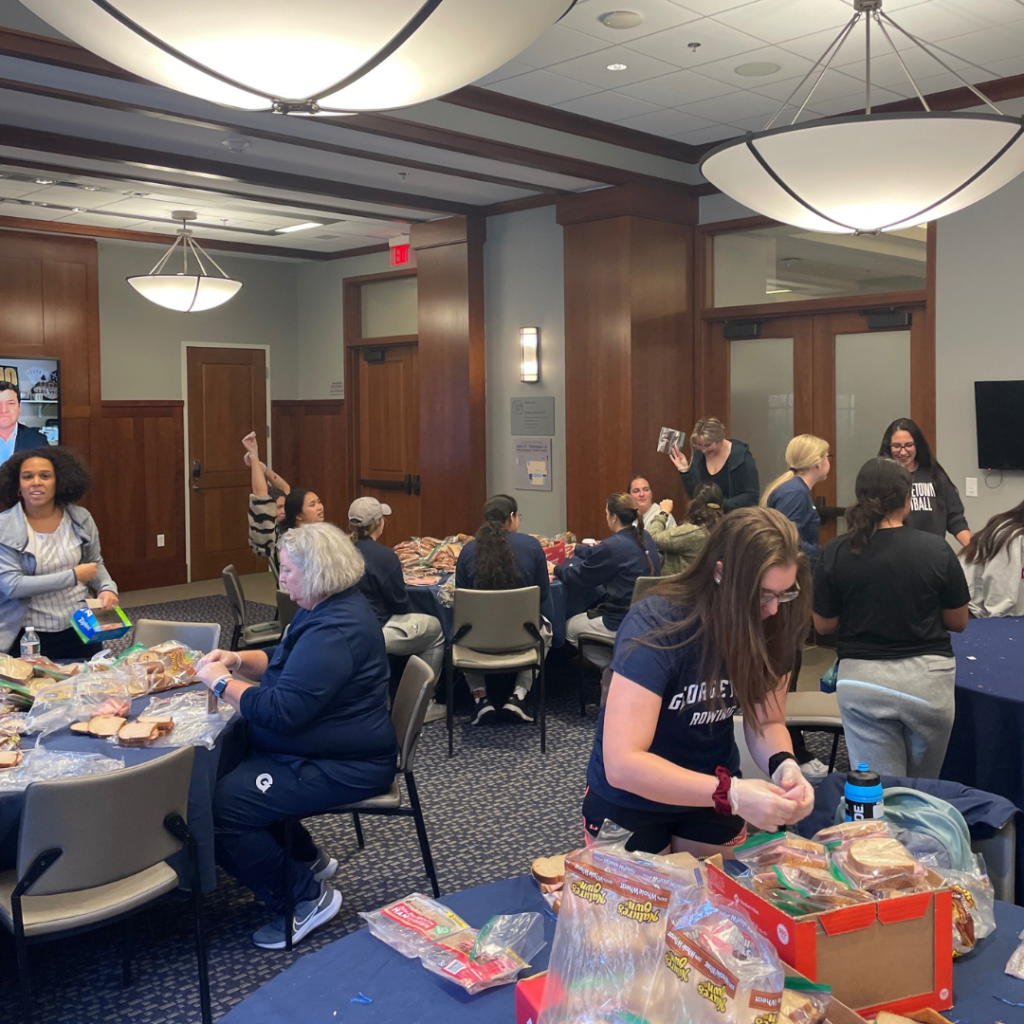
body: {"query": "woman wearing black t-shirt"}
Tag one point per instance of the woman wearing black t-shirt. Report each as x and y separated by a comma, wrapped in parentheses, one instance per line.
(892, 594)
(717, 640)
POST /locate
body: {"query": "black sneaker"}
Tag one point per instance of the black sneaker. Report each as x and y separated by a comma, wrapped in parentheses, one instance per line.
(515, 705)
(484, 707)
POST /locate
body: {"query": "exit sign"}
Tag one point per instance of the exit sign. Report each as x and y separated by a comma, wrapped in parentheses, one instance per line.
(400, 255)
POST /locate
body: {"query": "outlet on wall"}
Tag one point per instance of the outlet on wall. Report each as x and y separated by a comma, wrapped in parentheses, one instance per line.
(971, 489)
(160, 537)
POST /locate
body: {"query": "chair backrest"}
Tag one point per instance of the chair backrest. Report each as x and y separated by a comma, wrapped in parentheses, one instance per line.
(642, 585)
(410, 708)
(110, 826)
(286, 609)
(496, 618)
(200, 636)
(235, 594)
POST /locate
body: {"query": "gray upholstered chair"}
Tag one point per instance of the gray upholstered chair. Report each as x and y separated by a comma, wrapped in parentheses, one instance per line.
(496, 631)
(243, 636)
(814, 711)
(407, 715)
(93, 850)
(286, 609)
(200, 636)
(595, 649)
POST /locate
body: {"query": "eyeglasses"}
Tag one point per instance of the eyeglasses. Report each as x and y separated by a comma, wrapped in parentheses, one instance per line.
(782, 596)
(902, 447)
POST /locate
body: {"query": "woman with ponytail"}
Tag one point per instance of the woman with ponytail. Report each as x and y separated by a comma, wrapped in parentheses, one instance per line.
(680, 545)
(502, 558)
(892, 595)
(809, 463)
(600, 577)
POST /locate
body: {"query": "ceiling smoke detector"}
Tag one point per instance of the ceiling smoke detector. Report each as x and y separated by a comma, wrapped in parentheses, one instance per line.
(621, 19)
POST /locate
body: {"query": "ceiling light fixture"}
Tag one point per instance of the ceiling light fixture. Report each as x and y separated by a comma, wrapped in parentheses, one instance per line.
(185, 292)
(870, 172)
(299, 227)
(341, 57)
(757, 69)
(617, 67)
(90, 188)
(621, 19)
(44, 181)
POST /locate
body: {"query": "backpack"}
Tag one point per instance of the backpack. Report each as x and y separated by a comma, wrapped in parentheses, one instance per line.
(936, 826)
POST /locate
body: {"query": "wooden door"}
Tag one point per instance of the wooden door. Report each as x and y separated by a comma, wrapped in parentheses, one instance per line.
(227, 398)
(387, 449)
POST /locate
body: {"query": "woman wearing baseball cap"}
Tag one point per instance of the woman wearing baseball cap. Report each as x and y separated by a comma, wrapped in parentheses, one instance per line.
(383, 585)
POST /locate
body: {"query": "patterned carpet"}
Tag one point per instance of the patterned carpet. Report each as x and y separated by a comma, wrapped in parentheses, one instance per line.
(489, 811)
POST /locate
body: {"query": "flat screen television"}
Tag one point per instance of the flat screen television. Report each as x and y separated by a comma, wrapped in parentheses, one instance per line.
(999, 409)
(38, 384)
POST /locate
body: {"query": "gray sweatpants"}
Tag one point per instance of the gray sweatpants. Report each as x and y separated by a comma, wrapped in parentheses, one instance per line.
(898, 715)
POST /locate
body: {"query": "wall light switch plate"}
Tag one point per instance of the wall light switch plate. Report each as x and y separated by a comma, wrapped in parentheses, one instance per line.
(160, 536)
(972, 487)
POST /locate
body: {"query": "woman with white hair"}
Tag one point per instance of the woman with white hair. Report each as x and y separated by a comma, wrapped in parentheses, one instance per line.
(319, 730)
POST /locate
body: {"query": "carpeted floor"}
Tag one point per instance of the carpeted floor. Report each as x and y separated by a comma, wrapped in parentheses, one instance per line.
(489, 811)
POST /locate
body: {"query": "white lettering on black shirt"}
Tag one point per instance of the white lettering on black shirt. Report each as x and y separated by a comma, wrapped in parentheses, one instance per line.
(701, 693)
(921, 497)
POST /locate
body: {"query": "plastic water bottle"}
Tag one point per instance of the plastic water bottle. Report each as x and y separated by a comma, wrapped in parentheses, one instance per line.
(29, 643)
(864, 795)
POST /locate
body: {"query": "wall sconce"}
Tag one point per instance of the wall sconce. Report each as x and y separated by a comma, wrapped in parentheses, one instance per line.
(529, 348)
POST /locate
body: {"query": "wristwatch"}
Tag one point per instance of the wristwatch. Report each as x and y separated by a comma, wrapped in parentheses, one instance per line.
(220, 686)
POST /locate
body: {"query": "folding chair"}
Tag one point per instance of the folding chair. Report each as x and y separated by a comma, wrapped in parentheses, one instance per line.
(243, 636)
(200, 636)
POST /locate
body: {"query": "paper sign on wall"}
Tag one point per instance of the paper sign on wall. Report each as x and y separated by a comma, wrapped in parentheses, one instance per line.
(533, 464)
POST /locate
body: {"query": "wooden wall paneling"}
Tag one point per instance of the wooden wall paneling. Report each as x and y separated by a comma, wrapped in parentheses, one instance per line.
(21, 308)
(450, 312)
(138, 491)
(661, 255)
(311, 450)
(823, 372)
(598, 394)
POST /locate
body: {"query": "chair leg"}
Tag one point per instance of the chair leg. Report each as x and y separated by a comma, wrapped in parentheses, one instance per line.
(543, 708)
(835, 751)
(126, 953)
(202, 961)
(421, 832)
(449, 696)
(289, 886)
(359, 831)
(583, 685)
(24, 979)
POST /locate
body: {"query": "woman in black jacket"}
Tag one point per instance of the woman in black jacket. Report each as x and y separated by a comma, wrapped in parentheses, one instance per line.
(718, 460)
(935, 504)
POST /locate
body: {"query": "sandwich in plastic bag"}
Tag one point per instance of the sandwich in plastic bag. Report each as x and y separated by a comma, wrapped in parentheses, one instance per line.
(804, 1002)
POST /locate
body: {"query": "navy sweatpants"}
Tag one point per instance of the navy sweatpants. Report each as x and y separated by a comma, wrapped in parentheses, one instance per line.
(251, 802)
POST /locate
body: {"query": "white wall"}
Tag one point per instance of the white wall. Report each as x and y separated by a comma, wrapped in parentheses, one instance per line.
(319, 326)
(140, 342)
(979, 310)
(523, 288)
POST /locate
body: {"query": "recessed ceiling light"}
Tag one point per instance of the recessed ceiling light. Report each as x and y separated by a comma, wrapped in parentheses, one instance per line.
(90, 188)
(44, 181)
(757, 69)
(79, 209)
(621, 19)
(617, 67)
(135, 195)
(299, 227)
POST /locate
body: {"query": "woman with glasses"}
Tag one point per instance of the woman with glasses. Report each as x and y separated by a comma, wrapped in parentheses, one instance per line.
(720, 460)
(892, 595)
(501, 558)
(702, 647)
(935, 504)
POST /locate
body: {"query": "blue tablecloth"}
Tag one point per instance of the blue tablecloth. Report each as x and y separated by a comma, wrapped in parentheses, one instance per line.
(208, 766)
(424, 600)
(320, 987)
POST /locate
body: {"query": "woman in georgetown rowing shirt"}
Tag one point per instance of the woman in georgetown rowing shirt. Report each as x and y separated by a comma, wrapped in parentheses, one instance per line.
(714, 642)
(935, 504)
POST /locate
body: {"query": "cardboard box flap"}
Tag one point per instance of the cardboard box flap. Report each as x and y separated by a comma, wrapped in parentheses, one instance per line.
(904, 908)
(847, 919)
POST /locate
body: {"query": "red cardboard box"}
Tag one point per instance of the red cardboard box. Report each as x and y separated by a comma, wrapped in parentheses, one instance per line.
(896, 954)
(529, 996)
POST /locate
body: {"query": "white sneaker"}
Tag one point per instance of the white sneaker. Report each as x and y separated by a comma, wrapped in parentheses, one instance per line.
(814, 770)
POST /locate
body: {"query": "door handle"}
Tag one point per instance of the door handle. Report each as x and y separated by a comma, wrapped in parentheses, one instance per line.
(197, 471)
(416, 484)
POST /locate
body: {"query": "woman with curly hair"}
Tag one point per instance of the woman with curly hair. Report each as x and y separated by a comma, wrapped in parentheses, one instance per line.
(680, 545)
(49, 552)
(502, 558)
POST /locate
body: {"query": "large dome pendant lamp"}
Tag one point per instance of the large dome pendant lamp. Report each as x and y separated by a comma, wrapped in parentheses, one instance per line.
(185, 292)
(306, 56)
(870, 172)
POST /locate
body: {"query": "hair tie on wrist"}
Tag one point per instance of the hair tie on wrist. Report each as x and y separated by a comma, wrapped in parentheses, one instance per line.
(713, 504)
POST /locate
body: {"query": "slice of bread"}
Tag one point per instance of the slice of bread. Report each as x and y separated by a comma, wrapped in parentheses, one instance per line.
(80, 727)
(894, 1018)
(105, 725)
(549, 870)
(136, 734)
(10, 758)
(882, 858)
(928, 1016)
(163, 724)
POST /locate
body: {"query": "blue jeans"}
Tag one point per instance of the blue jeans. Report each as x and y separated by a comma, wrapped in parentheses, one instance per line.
(248, 817)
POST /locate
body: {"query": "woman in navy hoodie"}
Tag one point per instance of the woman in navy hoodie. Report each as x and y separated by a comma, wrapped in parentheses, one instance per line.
(603, 575)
